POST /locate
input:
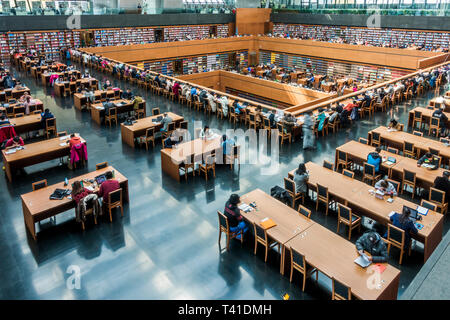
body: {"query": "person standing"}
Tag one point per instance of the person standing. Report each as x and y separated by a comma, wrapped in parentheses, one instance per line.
(308, 132)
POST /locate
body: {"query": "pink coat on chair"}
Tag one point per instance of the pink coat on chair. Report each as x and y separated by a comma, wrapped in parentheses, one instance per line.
(7, 132)
(78, 153)
(52, 78)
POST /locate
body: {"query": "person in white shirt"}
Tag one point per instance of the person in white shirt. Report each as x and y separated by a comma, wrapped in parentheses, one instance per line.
(205, 133)
(224, 102)
(211, 101)
(386, 187)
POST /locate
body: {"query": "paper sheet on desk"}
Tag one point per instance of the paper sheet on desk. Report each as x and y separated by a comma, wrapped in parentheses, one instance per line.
(423, 211)
(363, 261)
(245, 207)
(11, 151)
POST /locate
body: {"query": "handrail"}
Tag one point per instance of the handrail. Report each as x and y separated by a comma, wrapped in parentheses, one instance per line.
(221, 93)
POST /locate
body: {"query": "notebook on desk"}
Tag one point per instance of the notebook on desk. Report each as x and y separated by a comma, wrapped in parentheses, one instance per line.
(363, 261)
(267, 223)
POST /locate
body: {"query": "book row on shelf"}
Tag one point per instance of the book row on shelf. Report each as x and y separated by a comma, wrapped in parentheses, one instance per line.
(371, 74)
(395, 37)
(258, 99)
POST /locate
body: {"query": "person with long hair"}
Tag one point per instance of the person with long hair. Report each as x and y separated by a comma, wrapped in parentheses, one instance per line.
(79, 192)
(301, 177)
(235, 219)
(403, 222)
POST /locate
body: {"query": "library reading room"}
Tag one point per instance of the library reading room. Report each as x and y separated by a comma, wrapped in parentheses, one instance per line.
(225, 150)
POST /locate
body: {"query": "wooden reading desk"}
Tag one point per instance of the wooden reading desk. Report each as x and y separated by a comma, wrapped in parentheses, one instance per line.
(34, 153)
(37, 206)
(80, 100)
(130, 133)
(427, 114)
(172, 158)
(98, 111)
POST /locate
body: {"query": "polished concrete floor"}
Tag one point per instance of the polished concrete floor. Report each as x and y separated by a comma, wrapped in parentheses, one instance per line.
(165, 247)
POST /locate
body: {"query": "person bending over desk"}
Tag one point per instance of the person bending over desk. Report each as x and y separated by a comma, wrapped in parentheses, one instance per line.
(128, 95)
(429, 160)
(232, 212)
(165, 122)
(394, 125)
(386, 187)
(374, 245)
(4, 120)
(14, 142)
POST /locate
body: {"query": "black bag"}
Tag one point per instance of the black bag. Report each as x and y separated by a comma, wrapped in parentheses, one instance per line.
(59, 194)
(281, 194)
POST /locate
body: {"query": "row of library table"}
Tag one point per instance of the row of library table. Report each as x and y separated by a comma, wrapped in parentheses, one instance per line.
(81, 101)
(358, 152)
(45, 77)
(37, 206)
(90, 83)
(355, 194)
(330, 253)
(122, 106)
(35, 153)
(26, 124)
(20, 108)
(427, 114)
(396, 138)
(171, 159)
(15, 93)
(446, 103)
(137, 129)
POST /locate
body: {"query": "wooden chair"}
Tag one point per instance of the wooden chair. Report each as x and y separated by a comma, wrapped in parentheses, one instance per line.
(392, 150)
(262, 238)
(348, 173)
(189, 163)
(417, 119)
(209, 164)
(183, 125)
(233, 156)
(89, 211)
(364, 141)
(370, 174)
(396, 238)
(444, 140)
(290, 187)
(112, 116)
(343, 161)
(334, 125)
(396, 184)
(225, 228)
(376, 139)
(433, 151)
(155, 111)
(283, 135)
(149, 136)
(266, 126)
(298, 262)
(382, 105)
(197, 103)
(340, 291)
(346, 216)
(66, 89)
(50, 127)
(429, 205)
(101, 165)
(39, 185)
(417, 133)
(140, 111)
(114, 201)
(304, 211)
(327, 165)
(234, 117)
(252, 121)
(322, 196)
(437, 197)
(170, 128)
(409, 179)
(434, 127)
(408, 150)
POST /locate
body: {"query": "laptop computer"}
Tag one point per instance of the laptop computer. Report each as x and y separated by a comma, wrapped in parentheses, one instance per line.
(100, 179)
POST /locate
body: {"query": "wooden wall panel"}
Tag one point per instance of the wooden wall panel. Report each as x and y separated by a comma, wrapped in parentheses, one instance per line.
(252, 20)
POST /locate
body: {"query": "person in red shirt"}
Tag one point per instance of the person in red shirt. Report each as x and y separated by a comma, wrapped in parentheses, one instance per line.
(78, 192)
(349, 107)
(14, 142)
(108, 186)
(74, 140)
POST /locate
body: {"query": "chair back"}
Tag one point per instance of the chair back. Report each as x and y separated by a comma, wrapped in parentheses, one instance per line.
(289, 185)
(115, 197)
(327, 165)
(395, 235)
(409, 176)
(348, 173)
(364, 141)
(437, 195)
(340, 291)
(408, 146)
(434, 151)
(39, 185)
(113, 111)
(369, 169)
(280, 128)
(428, 205)
(392, 150)
(304, 211)
(223, 221)
(342, 156)
(171, 127)
(50, 123)
(252, 117)
(260, 232)
(322, 191)
(435, 121)
(150, 132)
(183, 125)
(155, 111)
(101, 165)
(376, 137)
(417, 114)
(344, 212)
(266, 122)
(298, 259)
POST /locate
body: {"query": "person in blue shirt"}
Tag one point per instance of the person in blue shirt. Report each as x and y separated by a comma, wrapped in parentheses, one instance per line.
(227, 146)
(403, 222)
(46, 115)
(273, 123)
(193, 92)
(374, 159)
(238, 107)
